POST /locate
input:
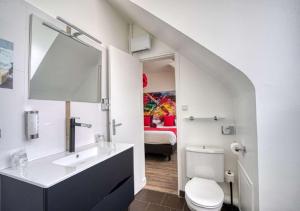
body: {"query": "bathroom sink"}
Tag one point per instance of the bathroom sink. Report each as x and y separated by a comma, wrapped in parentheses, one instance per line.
(82, 156)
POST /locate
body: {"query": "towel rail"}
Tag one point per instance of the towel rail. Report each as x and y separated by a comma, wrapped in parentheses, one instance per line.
(193, 118)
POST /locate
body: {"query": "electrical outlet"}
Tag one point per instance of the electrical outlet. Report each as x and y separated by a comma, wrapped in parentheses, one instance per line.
(184, 107)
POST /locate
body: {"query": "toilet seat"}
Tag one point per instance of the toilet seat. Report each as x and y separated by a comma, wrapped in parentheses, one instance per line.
(204, 193)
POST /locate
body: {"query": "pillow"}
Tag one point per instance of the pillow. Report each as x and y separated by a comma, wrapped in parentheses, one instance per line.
(147, 120)
(169, 120)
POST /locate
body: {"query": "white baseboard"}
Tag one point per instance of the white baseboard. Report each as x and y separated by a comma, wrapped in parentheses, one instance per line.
(144, 182)
(138, 189)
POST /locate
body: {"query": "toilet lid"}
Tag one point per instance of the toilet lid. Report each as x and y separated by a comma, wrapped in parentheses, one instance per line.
(204, 192)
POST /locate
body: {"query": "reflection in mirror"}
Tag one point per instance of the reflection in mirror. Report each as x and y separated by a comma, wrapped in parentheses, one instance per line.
(61, 67)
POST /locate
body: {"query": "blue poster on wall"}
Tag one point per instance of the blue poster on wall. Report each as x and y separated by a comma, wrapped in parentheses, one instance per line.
(6, 64)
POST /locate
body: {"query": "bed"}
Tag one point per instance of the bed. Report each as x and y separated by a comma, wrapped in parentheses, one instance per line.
(160, 140)
(160, 123)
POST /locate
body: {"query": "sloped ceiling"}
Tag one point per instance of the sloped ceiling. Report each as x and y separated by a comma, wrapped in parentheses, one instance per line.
(226, 73)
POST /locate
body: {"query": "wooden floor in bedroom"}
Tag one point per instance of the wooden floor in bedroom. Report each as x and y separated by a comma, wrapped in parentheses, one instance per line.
(161, 174)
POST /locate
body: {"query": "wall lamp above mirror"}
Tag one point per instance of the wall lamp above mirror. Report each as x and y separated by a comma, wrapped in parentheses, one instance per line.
(61, 66)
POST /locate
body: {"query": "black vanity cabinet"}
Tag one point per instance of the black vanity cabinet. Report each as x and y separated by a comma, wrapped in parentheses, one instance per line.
(107, 186)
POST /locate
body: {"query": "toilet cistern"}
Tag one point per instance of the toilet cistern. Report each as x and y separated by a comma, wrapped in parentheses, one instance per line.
(205, 167)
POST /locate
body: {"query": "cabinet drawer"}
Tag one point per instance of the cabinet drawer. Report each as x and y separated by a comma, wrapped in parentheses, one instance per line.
(119, 199)
(16, 195)
(84, 190)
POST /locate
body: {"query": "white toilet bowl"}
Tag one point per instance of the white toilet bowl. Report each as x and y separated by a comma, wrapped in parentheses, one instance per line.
(203, 195)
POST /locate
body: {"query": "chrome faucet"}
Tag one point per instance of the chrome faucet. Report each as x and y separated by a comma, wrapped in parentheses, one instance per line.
(73, 125)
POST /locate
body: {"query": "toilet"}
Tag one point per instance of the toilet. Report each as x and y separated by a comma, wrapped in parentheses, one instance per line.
(204, 168)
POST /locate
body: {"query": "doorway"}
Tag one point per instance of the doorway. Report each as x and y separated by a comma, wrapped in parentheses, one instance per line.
(160, 130)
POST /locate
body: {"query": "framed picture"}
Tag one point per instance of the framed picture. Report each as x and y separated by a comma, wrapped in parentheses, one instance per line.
(160, 104)
(6, 64)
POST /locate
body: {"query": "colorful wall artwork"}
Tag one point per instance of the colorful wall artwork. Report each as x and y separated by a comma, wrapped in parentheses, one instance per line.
(6, 64)
(160, 104)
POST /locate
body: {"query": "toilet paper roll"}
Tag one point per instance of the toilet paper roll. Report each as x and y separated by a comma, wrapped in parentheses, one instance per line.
(234, 147)
(229, 176)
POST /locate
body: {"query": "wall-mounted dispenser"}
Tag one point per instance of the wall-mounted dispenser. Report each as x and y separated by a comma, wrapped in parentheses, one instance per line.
(32, 124)
(228, 130)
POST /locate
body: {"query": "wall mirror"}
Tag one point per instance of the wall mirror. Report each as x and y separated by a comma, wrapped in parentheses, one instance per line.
(62, 67)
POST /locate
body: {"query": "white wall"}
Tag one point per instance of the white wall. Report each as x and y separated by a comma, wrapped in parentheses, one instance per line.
(261, 39)
(13, 102)
(160, 80)
(205, 96)
(97, 18)
(157, 47)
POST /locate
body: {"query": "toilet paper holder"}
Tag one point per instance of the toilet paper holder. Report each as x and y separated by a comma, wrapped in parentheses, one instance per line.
(240, 148)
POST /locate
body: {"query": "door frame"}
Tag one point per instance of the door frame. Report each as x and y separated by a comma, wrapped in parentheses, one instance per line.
(178, 113)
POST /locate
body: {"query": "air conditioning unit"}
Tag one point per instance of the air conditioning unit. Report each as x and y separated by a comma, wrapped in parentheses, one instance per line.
(140, 43)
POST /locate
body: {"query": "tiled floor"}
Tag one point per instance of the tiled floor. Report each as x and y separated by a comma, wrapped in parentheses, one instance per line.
(149, 200)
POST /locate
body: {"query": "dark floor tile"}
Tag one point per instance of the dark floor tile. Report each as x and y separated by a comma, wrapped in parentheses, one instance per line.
(155, 207)
(176, 210)
(148, 200)
(228, 207)
(138, 206)
(174, 202)
(139, 195)
(186, 208)
(150, 196)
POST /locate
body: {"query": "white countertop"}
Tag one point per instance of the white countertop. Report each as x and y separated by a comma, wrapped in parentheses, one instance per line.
(44, 173)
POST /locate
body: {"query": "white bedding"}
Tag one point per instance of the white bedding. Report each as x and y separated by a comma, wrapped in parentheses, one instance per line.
(160, 137)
